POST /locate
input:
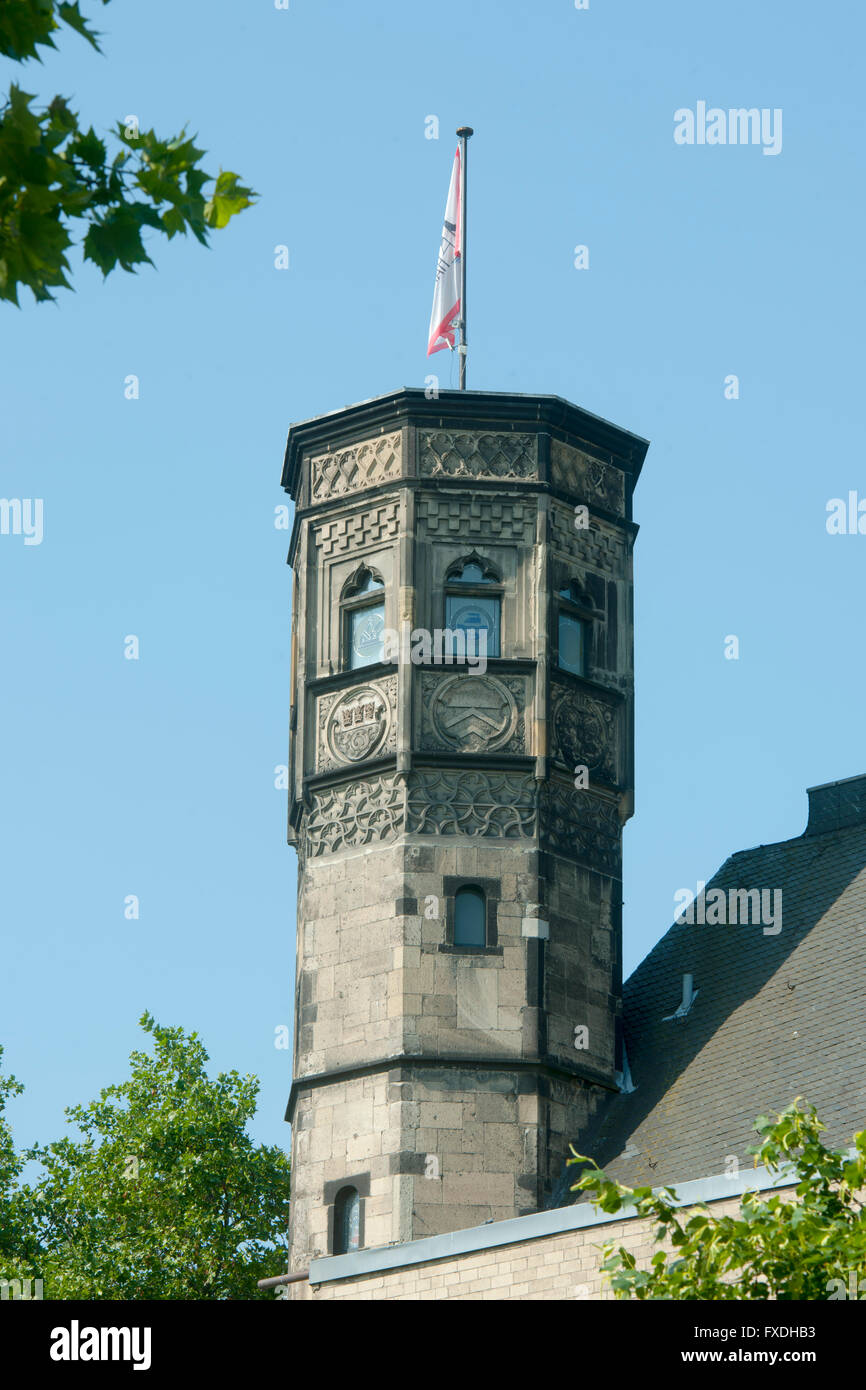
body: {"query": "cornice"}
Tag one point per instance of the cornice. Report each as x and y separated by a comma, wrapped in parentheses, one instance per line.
(482, 410)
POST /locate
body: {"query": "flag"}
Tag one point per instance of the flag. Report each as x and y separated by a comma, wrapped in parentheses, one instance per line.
(446, 293)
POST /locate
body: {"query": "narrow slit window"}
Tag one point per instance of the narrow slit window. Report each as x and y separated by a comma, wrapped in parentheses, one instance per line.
(347, 1221)
(470, 917)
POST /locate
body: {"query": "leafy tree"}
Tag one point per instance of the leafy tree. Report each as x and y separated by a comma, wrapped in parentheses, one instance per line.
(56, 175)
(12, 1234)
(803, 1245)
(10, 1163)
(164, 1195)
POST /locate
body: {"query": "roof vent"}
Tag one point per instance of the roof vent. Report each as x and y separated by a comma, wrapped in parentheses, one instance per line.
(690, 994)
(623, 1078)
(837, 805)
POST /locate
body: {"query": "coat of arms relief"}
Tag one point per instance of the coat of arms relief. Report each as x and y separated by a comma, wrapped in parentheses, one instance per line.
(356, 724)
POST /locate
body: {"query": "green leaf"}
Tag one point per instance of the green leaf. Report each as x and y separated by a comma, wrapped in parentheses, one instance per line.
(228, 198)
(88, 147)
(57, 179)
(27, 25)
(116, 240)
(71, 15)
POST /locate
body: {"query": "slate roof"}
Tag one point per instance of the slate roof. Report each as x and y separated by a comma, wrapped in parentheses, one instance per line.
(776, 1016)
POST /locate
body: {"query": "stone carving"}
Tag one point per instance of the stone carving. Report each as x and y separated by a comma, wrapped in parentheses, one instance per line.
(589, 478)
(360, 466)
(582, 825)
(361, 529)
(361, 813)
(473, 714)
(461, 454)
(356, 724)
(585, 732)
(600, 546)
(478, 518)
(472, 803)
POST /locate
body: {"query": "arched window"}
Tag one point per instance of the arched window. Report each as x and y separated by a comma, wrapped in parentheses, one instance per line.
(473, 607)
(470, 917)
(572, 637)
(363, 615)
(347, 1221)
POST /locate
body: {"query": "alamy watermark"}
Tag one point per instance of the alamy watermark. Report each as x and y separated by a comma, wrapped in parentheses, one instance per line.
(740, 125)
(77, 1343)
(736, 907)
(846, 518)
(856, 1288)
(23, 1289)
(22, 516)
(447, 646)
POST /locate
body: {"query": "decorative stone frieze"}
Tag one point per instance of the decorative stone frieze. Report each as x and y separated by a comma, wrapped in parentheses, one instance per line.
(478, 518)
(359, 530)
(461, 454)
(599, 545)
(590, 479)
(500, 804)
(578, 823)
(360, 466)
(360, 813)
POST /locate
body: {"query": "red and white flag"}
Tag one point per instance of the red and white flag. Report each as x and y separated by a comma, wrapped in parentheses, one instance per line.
(446, 294)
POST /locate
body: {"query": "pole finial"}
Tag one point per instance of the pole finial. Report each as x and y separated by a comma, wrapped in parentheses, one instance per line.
(464, 131)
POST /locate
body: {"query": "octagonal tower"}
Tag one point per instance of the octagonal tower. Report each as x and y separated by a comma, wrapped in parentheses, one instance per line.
(461, 767)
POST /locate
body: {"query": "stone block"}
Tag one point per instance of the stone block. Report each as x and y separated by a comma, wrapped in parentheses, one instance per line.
(441, 1115)
(477, 998)
(353, 1119)
(496, 1108)
(478, 1189)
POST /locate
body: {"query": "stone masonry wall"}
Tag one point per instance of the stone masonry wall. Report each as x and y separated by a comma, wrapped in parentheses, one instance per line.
(434, 1149)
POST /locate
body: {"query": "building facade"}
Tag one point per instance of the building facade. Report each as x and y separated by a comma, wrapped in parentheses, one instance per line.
(461, 767)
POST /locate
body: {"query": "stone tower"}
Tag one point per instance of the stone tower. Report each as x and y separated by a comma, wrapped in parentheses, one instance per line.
(457, 808)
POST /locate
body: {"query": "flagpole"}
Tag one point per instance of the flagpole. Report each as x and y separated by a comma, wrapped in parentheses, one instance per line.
(463, 133)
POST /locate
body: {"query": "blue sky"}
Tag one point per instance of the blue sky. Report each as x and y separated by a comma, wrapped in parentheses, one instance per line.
(156, 777)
